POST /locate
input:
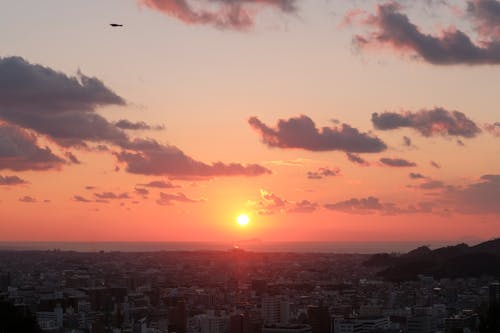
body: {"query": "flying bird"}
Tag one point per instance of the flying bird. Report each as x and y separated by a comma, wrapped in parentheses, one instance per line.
(116, 25)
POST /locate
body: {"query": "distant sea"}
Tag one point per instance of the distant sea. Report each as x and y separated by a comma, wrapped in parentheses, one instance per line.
(253, 245)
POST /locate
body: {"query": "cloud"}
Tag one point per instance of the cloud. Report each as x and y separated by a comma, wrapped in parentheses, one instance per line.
(55, 104)
(301, 132)
(432, 185)
(11, 181)
(167, 199)
(493, 129)
(479, 197)
(159, 184)
(435, 165)
(223, 14)
(79, 198)
(354, 158)
(415, 175)
(270, 203)
(141, 191)
(485, 15)
(390, 27)
(373, 205)
(19, 151)
(356, 205)
(27, 199)
(323, 172)
(397, 162)
(152, 158)
(111, 195)
(140, 125)
(63, 108)
(304, 206)
(433, 122)
(72, 158)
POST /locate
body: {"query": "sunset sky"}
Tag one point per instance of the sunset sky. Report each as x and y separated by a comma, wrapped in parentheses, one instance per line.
(322, 120)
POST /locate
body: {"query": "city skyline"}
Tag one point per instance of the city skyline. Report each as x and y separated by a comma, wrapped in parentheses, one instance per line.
(319, 121)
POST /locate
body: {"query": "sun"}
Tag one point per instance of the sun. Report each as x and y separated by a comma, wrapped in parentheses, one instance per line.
(243, 220)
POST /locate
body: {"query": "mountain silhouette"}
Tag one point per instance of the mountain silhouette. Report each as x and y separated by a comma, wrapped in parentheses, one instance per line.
(454, 261)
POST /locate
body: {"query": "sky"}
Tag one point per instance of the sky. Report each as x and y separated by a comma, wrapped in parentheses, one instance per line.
(321, 120)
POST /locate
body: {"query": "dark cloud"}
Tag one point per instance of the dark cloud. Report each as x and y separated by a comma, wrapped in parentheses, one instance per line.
(397, 162)
(11, 181)
(485, 15)
(354, 158)
(323, 172)
(56, 105)
(141, 191)
(407, 141)
(159, 184)
(390, 27)
(493, 129)
(167, 199)
(301, 132)
(79, 198)
(152, 158)
(435, 165)
(415, 175)
(19, 151)
(270, 203)
(480, 197)
(72, 158)
(64, 109)
(111, 195)
(136, 126)
(356, 205)
(437, 121)
(223, 14)
(373, 205)
(432, 185)
(27, 199)
(304, 206)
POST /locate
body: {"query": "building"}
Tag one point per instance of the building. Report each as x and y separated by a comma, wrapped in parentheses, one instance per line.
(214, 324)
(319, 319)
(286, 329)
(275, 310)
(421, 324)
(494, 289)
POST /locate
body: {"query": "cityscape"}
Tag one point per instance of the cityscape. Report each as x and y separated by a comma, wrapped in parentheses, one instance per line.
(238, 291)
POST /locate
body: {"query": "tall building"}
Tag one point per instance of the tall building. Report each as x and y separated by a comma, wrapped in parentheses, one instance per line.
(214, 324)
(275, 310)
(494, 292)
(177, 317)
(319, 319)
(245, 323)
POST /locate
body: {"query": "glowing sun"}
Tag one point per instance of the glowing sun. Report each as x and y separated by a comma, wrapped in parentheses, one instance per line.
(243, 220)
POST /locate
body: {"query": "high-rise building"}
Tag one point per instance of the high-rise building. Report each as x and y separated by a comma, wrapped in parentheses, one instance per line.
(319, 319)
(494, 293)
(275, 310)
(214, 324)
